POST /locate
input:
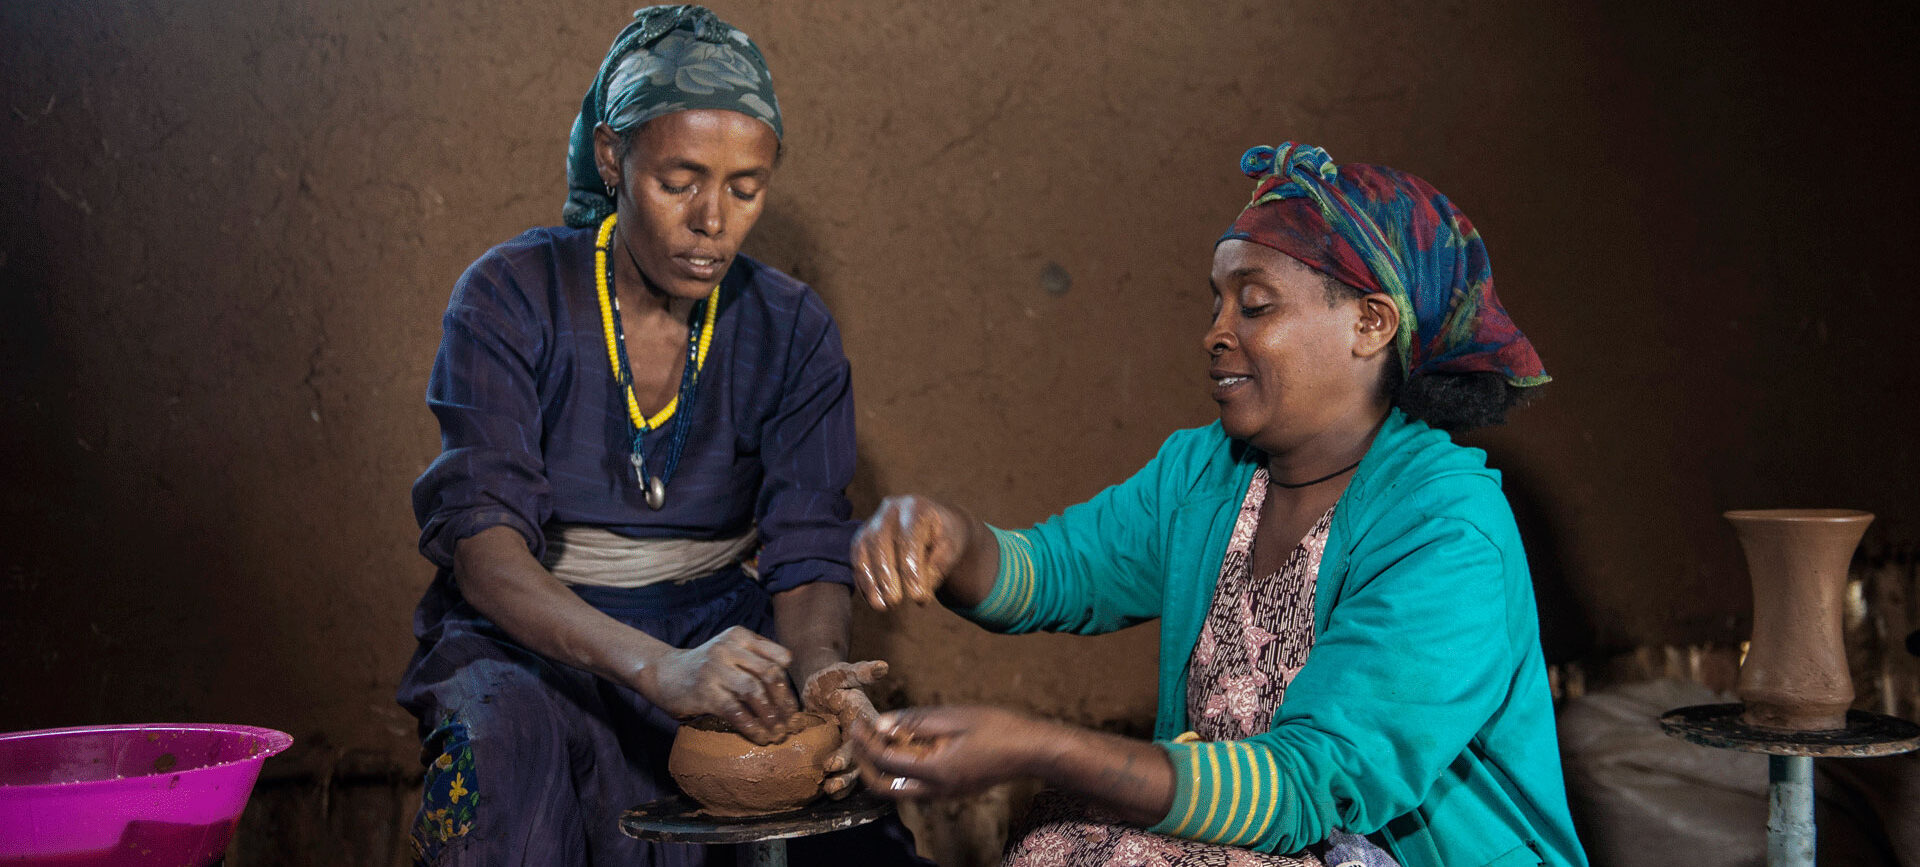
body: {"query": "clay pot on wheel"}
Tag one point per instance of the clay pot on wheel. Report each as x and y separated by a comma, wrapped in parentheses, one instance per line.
(1795, 675)
(732, 776)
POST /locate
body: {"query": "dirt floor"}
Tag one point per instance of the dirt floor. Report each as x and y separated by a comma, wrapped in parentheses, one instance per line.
(229, 229)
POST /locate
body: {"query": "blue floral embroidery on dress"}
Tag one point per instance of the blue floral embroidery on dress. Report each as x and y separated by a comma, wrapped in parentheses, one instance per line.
(450, 799)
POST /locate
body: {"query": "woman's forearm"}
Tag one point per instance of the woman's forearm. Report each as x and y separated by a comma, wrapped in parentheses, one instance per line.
(1134, 778)
(953, 750)
(500, 577)
(973, 575)
(736, 674)
(812, 622)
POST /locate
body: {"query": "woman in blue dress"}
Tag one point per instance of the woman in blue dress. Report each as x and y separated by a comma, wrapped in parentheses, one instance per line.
(639, 513)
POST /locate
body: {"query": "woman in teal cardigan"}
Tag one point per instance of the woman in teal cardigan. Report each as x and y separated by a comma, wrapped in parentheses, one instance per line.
(1350, 664)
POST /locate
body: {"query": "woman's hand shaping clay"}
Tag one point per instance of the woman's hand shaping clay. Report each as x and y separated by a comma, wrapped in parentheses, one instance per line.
(837, 691)
(941, 751)
(737, 675)
(908, 549)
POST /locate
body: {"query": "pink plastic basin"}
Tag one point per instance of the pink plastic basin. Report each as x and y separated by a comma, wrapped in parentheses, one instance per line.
(155, 794)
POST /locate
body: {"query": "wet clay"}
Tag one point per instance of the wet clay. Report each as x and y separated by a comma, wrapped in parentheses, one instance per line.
(1795, 675)
(732, 776)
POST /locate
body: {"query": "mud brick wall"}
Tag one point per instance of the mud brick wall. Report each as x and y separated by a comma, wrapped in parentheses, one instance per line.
(229, 228)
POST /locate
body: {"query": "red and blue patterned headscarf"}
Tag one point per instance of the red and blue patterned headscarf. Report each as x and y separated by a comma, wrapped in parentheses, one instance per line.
(1381, 230)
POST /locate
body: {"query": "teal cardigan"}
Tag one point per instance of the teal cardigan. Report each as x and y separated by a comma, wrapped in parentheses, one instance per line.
(1422, 715)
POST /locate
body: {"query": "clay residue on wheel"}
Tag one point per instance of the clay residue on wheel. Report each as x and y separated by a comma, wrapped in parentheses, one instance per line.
(732, 776)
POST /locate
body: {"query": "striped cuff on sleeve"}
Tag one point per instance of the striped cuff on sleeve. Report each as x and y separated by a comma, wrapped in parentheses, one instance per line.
(1012, 594)
(1223, 792)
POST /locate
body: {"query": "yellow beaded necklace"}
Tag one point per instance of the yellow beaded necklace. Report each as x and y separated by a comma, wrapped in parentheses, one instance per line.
(699, 338)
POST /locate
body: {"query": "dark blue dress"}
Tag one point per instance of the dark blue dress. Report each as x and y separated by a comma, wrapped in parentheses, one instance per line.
(534, 427)
(529, 761)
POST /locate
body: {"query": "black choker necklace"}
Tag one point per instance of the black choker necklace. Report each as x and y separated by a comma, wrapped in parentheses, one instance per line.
(1280, 484)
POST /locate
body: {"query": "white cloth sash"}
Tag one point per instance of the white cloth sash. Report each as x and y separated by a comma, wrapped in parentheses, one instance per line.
(595, 556)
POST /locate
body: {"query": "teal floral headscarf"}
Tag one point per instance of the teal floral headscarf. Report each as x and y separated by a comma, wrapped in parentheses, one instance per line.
(671, 58)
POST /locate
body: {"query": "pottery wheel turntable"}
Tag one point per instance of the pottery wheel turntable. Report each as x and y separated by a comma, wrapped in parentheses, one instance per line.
(680, 820)
(1790, 755)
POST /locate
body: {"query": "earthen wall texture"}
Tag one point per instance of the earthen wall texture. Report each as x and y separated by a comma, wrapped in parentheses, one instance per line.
(229, 230)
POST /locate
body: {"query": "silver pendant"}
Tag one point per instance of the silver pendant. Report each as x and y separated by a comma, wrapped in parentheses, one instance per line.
(654, 488)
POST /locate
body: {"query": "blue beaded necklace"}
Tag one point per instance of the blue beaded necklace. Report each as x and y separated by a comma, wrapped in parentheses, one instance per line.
(700, 328)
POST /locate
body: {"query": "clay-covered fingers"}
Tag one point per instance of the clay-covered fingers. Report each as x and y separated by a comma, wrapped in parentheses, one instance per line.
(935, 542)
(737, 675)
(749, 725)
(895, 744)
(879, 774)
(842, 772)
(752, 712)
(752, 671)
(824, 687)
(766, 662)
(905, 550)
(873, 560)
(942, 751)
(853, 674)
(852, 704)
(838, 690)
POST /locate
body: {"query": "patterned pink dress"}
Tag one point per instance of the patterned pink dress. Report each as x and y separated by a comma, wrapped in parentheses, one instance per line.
(1257, 635)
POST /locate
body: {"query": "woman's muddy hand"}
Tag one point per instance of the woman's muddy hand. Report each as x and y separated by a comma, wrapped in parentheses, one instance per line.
(838, 691)
(737, 676)
(943, 751)
(907, 549)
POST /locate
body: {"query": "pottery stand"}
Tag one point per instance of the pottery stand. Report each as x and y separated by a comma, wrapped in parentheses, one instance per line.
(1794, 686)
(679, 820)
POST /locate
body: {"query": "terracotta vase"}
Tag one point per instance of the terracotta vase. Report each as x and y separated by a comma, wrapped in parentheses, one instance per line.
(1795, 674)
